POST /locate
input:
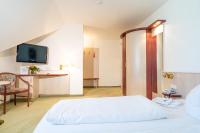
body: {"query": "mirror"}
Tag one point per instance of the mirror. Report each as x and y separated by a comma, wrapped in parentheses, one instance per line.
(159, 40)
(157, 85)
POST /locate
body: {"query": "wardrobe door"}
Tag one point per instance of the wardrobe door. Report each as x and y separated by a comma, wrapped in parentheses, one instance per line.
(136, 63)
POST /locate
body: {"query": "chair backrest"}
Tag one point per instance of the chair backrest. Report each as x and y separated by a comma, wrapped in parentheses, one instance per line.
(11, 77)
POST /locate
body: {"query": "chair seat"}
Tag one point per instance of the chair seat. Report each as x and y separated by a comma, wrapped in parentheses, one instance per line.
(24, 94)
(11, 88)
(14, 91)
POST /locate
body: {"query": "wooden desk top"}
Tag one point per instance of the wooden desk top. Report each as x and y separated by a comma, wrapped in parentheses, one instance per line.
(40, 75)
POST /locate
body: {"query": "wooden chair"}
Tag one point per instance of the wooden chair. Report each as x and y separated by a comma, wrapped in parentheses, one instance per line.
(11, 89)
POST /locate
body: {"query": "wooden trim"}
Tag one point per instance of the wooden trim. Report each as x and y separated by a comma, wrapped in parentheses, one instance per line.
(132, 30)
(124, 65)
(151, 64)
(151, 59)
(155, 24)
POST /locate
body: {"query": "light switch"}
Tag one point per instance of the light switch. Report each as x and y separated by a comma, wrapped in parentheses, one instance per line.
(173, 86)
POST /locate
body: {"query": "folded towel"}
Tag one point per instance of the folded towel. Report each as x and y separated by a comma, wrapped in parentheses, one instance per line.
(167, 102)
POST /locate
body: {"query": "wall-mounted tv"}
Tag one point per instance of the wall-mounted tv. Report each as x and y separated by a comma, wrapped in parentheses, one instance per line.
(31, 53)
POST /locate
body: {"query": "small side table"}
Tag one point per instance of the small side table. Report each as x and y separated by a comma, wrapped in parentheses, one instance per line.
(3, 83)
(172, 95)
(93, 79)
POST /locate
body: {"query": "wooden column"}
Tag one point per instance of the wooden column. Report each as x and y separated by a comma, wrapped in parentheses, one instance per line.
(151, 58)
(124, 65)
(151, 64)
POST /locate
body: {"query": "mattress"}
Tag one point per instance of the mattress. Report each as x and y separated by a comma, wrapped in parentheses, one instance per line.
(177, 122)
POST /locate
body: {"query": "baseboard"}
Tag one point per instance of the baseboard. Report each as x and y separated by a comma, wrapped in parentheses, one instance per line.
(60, 95)
(1, 102)
(101, 86)
(19, 100)
(76, 95)
(109, 86)
(23, 100)
(52, 95)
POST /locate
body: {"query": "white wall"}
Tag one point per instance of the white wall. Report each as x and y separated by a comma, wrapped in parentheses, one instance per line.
(181, 34)
(109, 62)
(66, 48)
(8, 61)
(110, 59)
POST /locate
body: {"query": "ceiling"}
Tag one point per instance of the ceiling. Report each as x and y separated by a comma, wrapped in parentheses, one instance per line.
(109, 14)
(25, 20)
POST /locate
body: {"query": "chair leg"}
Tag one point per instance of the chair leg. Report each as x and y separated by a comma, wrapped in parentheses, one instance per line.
(4, 105)
(28, 99)
(15, 100)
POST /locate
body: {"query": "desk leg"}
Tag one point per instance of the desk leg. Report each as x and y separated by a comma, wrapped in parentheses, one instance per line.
(4, 100)
(4, 104)
(97, 83)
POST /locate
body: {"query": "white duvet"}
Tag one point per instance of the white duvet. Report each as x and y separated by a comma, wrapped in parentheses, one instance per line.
(104, 110)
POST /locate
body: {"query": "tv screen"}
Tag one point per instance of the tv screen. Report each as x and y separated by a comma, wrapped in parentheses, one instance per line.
(31, 53)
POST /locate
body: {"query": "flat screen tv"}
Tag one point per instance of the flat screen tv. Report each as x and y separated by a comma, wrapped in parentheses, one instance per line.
(31, 53)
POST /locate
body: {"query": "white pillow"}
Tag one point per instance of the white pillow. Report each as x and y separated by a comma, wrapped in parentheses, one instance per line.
(193, 103)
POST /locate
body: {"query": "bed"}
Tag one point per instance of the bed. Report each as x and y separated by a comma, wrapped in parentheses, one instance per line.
(177, 122)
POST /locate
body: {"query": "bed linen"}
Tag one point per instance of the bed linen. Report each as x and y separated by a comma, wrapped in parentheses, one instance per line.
(192, 102)
(104, 110)
(178, 122)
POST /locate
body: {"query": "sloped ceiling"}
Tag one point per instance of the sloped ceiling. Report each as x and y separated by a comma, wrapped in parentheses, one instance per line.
(109, 14)
(24, 20)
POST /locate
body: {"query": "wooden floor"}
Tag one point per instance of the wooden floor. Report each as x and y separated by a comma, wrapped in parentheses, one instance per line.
(20, 119)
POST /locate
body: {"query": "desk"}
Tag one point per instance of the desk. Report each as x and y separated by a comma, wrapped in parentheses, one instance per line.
(42, 75)
(94, 79)
(33, 79)
(3, 83)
